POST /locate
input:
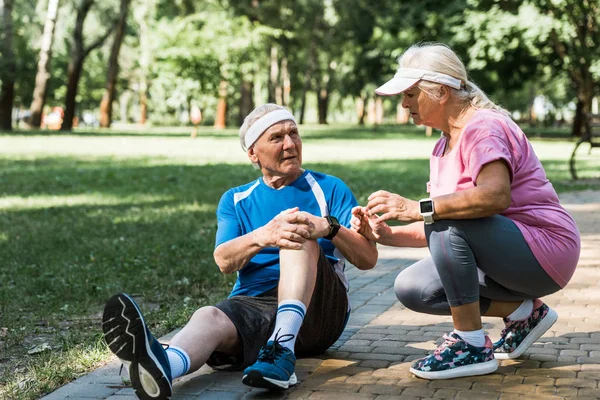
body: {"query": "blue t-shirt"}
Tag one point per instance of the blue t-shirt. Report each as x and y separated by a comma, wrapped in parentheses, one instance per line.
(248, 207)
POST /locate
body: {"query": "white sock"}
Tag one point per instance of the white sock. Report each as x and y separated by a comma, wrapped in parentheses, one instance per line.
(474, 338)
(179, 361)
(290, 315)
(522, 312)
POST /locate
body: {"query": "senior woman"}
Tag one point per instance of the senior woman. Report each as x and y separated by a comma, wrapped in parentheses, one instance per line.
(498, 237)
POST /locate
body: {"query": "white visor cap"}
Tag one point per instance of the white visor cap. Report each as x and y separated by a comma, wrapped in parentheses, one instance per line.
(406, 78)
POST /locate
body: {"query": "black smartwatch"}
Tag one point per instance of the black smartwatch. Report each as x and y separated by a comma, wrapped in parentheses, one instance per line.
(334, 227)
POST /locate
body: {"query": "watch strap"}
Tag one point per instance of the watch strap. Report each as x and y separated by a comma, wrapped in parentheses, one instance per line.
(334, 227)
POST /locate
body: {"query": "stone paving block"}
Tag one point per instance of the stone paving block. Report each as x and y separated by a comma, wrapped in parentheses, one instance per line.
(589, 392)
(381, 389)
(539, 380)
(418, 392)
(126, 392)
(542, 357)
(445, 394)
(387, 381)
(577, 382)
(478, 395)
(548, 391)
(338, 387)
(319, 395)
(377, 356)
(450, 384)
(362, 380)
(547, 372)
(375, 363)
(82, 391)
(221, 395)
(299, 394)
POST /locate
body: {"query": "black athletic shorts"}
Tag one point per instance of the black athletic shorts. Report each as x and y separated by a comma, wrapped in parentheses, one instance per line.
(254, 318)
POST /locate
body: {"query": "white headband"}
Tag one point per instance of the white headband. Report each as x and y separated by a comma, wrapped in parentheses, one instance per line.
(406, 78)
(264, 123)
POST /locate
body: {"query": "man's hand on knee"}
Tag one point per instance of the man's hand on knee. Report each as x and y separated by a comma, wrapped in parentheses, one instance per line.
(288, 230)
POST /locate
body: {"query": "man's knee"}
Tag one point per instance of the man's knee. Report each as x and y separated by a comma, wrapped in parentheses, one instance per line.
(216, 319)
(311, 247)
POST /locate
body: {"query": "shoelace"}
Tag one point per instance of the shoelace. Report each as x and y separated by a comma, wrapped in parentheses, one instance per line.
(270, 353)
(448, 341)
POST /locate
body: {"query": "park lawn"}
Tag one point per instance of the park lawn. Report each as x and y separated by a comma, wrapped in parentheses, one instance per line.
(87, 215)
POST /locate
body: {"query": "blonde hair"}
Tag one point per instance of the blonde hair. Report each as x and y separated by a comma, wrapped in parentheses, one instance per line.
(254, 116)
(438, 57)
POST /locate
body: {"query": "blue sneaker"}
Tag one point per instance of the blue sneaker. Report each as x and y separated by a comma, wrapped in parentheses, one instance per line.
(128, 338)
(274, 368)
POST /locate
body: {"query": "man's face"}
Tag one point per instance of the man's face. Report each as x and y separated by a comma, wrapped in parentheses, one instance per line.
(279, 150)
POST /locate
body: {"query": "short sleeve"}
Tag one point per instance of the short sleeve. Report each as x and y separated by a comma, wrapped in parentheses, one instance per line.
(486, 145)
(342, 203)
(228, 225)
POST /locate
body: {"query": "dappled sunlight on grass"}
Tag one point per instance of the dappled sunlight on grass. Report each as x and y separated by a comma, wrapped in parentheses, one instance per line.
(13, 203)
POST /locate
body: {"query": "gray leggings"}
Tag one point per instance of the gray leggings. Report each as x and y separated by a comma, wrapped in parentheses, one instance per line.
(472, 259)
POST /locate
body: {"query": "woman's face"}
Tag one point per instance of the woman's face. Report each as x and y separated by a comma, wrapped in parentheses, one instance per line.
(423, 109)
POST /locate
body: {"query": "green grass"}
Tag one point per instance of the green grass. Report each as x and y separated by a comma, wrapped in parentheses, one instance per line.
(86, 215)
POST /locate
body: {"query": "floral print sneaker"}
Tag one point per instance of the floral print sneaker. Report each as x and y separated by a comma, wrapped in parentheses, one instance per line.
(456, 358)
(517, 336)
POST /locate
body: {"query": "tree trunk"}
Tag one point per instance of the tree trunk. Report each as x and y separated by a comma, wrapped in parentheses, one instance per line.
(142, 13)
(378, 111)
(273, 75)
(312, 55)
(585, 96)
(246, 101)
(221, 118)
(7, 65)
(359, 104)
(285, 81)
(323, 104)
(143, 106)
(323, 95)
(43, 71)
(78, 55)
(73, 75)
(113, 68)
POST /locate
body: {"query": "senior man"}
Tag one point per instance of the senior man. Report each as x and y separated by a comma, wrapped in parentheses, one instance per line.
(287, 236)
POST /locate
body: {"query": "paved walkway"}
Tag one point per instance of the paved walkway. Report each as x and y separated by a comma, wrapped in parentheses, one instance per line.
(372, 358)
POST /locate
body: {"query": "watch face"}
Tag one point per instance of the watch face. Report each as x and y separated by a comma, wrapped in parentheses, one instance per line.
(426, 207)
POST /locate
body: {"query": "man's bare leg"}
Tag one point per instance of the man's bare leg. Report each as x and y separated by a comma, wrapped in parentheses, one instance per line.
(208, 329)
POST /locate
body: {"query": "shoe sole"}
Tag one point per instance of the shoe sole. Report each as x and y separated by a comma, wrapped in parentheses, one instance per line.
(533, 336)
(468, 370)
(125, 334)
(257, 380)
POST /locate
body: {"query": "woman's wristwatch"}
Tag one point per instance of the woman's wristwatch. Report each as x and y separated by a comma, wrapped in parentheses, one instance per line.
(426, 210)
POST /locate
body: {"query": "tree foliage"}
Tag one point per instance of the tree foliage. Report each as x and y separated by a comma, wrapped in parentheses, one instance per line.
(301, 53)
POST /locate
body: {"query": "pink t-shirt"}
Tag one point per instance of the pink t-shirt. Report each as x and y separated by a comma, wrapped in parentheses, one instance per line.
(549, 230)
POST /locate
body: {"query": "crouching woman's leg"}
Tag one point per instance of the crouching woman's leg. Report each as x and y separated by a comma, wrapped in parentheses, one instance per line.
(419, 288)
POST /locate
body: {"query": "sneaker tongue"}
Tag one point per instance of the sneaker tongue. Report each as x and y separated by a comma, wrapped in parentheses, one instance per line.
(455, 335)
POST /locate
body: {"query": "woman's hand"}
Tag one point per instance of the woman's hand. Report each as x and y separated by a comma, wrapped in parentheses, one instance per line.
(393, 206)
(367, 225)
